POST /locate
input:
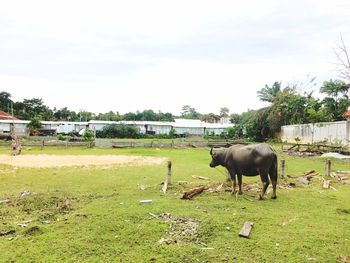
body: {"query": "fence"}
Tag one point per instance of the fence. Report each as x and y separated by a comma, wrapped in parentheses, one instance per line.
(328, 132)
(151, 144)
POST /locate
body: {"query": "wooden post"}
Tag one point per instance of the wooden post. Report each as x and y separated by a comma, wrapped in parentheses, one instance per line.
(168, 177)
(42, 144)
(328, 167)
(283, 163)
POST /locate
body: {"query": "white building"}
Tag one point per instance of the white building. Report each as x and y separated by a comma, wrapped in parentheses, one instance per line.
(180, 126)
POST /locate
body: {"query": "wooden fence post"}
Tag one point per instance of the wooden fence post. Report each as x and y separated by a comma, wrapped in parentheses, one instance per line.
(168, 177)
(283, 163)
(328, 167)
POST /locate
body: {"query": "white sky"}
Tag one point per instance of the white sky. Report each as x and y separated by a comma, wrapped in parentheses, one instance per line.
(135, 55)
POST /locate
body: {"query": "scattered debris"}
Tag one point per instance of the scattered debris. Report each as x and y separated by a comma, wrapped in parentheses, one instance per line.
(303, 180)
(46, 222)
(326, 184)
(142, 187)
(143, 202)
(219, 187)
(200, 177)
(4, 201)
(335, 155)
(7, 232)
(22, 225)
(66, 205)
(81, 215)
(311, 259)
(32, 230)
(25, 193)
(343, 259)
(227, 228)
(245, 231)
(181, 229)
(309, 172)
(153, 215)
(182, 182)
(193, 192)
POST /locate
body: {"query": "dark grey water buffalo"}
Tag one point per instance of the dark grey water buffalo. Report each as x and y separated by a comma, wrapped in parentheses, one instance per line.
(249, 160)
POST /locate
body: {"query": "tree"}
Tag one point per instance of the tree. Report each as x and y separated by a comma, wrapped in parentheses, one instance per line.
(211, 118)
(337, 101)
(189, 113)
(31, 108)
(224, 112)
(5, 101)
(236, 118)
(34, 125)
(269, 94)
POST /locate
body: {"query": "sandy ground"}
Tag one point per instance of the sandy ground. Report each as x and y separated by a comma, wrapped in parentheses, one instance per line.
(78, 160)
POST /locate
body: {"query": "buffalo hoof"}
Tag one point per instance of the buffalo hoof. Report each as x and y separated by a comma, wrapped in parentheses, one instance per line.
(274, 197)
(260, 198)
(240, 193)
(233, 193)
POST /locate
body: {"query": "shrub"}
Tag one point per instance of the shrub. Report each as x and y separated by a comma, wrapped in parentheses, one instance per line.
(118, 131)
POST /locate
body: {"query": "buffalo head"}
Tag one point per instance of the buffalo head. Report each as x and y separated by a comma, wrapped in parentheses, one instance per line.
(215, 158)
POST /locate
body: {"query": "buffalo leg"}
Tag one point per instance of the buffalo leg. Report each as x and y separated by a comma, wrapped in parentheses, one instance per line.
(265, 181)
(233, 178)
(239, 177)
(274, 185)
(273, 176)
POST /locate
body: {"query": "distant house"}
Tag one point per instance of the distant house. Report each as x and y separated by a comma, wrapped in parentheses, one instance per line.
(6, 116)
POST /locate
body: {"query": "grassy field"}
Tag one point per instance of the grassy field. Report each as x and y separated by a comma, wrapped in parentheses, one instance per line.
(92, 214)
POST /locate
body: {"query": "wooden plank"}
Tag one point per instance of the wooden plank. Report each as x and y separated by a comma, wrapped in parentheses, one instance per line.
(245, 231)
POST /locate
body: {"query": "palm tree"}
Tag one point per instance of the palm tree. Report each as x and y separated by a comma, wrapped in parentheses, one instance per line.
(270, 94)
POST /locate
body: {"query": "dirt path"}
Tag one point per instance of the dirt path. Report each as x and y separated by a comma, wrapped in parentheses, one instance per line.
(78, 160)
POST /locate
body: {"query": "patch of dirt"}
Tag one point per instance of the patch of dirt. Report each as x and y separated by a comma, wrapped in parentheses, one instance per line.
(44, 161)
(181, 230)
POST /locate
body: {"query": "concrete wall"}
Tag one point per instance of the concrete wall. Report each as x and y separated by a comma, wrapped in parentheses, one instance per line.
(329, 132)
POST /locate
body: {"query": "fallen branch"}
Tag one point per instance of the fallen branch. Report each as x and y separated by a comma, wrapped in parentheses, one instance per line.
(193, 192)
(200, 177)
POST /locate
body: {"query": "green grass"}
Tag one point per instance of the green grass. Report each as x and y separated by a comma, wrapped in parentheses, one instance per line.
(95, 215)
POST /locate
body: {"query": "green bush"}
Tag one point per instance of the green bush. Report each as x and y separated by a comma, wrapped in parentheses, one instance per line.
(118, 131)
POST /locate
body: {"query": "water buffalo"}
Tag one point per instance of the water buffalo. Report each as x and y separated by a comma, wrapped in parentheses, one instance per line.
(249, 160)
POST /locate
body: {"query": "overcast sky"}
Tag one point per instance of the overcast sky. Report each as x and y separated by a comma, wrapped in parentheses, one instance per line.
(135, 55)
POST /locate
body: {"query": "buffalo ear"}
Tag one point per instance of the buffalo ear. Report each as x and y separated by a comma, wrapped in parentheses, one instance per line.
(211, 151)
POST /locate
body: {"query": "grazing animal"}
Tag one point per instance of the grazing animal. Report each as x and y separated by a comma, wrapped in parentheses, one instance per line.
(248, 160)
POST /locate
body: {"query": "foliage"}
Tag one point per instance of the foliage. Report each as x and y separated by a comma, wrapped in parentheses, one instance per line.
(337, 101)
(34, 124)
(148, 115)
(268, 93)
(5, 101)
(189, 113)
(210, 118)
(224, 112)
(118, 131)
(89, 135)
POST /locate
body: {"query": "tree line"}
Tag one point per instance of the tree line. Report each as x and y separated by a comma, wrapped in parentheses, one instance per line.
(286, 105)
(35, 108)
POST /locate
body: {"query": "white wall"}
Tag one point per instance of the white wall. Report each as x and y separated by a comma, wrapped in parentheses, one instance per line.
(331, 132)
